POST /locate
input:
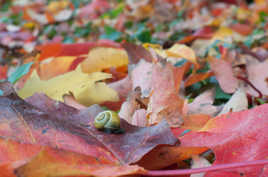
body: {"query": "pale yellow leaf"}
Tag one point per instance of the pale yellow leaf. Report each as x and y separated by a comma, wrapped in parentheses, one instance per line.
(182, 51)
(100, 58)
(222, 33)
(157, 48)
(82, 85)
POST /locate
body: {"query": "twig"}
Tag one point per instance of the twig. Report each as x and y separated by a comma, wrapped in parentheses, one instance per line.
(246, 50)
(251, 85)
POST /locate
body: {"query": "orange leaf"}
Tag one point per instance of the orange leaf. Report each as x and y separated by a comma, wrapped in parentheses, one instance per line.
(50, 162)
(197, 77)
(242, 28)
(165, 101)
(163, 156)
(195, 122)
(3, 71)
(6, 170)
(53, 123)
(55, 66)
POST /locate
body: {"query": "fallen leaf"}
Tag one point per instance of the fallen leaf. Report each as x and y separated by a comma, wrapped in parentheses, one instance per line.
(3, 72)
(144, 69)
(25, 123)
(51, 162)
(94, 9)
(234, 137)
(236, 103)
(197, 77)
(183, 51)
(102, 57)
(52, 67)
(34, 160)
(203, 104)
(84, 87)
(224, 74)
(59, 50)
(20, 71)
(164, 156)
(139, 118)
(199, 162)
(136, 53)
(164, 102)
(195, 121)
(257, 75)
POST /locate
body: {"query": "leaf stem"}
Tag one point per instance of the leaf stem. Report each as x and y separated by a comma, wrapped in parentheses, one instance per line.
(249, 83)
(207, 169)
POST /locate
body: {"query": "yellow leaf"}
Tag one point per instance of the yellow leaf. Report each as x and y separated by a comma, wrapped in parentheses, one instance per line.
(29, 25)
(157, 48)
(54, 6)
(82, 85)
(216, 22)
(260, 2)
(183, 51)
(100, 58)
(222, 33)
(242, 14)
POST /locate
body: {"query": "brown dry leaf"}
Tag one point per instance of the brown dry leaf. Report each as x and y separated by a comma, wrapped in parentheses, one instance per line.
(163, 156)
(164, 102)
(136, 53)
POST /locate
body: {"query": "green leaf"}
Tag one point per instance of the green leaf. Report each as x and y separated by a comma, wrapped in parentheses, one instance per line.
(111, 33)
(145, 36)
(220, 94)
(128, 24)
(260, 101)
(112, 14)
(68, 40)
(5, 6)
(204, 69)
(20, 71)
(50, 31)
(83, 31)
(178, 35)
(256, 35)
(263, 17)
(180, 63)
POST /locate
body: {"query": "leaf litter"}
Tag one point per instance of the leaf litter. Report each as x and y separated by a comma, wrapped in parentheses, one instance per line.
(196, 75)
